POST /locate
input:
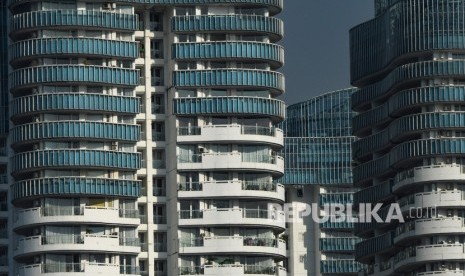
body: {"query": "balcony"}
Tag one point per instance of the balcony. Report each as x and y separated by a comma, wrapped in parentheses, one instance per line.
(230, 133)
(233, 269)
(231, 161)
(233, 216)
(233, 244)
(404, 260)
(83, 243)
(432, 226)
(243, 189)
(432, 199)
(428, 173)
(27, 217)
(77, 269)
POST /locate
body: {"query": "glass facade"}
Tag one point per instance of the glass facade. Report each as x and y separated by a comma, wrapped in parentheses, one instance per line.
(318, 156)
(408, 63)
(318, 138)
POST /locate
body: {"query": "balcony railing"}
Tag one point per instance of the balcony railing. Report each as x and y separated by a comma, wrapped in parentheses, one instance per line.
(246, 185)
(160, 247)
(129, 269)
(157, 219)
(246, 213)
(245, 130)
(248, 269)
(158, 109)
(158, 136)
(250, 158)
(159, 164)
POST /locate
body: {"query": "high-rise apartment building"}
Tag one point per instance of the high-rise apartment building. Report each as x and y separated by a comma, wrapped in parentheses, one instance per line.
(409, 64)
(142, 137)
(317, 152)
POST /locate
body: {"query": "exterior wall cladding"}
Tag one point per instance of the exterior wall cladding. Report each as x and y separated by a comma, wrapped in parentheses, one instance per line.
(318, 138)
(143, 138)
(409, 63)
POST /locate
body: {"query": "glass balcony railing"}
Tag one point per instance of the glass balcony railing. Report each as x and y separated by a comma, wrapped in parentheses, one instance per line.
(158, 136)
(246, 213)
(246, 185)
(129, 241)
(245, 130)
(158, 109)
(158, 164)
(159, 219)
(160, 247)
(249, 158)
(129, 270)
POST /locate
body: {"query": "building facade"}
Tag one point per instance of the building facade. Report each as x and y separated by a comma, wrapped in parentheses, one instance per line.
(408, 62)
(143, 137)
(317, 151)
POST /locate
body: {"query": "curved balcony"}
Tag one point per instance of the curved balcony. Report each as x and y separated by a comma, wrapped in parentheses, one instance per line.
(374, 194)
(442, 273)
(407, 152)
(413, 256)
(73, 102)
(416, 123)
(234, 245)
(273, 27)
(366, 249)
(234, 78)
(231, 106)
(383, 269)
(73, 74)
(233, 216)
(429, 227)
(375, 117)
(32, 188)
(404, 100)
(226, 189)
(98, 20)
(231, 133)
(366, 146)
(407, 73)
(275, 6)
(430, 200)
(233, 269)
(77, 269)
(71, 130)
(75, 243)
(239, 50)
(372, 36)
(75, 215)
(40, 159)
(231, 161)
(40, 47)
(424, 174)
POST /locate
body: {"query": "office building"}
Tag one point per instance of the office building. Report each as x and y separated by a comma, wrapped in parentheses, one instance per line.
(142, 137)
(409, 65)
(317, 151)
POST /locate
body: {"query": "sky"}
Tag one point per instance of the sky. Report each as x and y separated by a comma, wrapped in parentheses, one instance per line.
(316, 42)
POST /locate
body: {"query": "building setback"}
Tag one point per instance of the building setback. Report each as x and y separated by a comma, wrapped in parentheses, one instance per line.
(143, 137)
(317, 152)
(409, 65)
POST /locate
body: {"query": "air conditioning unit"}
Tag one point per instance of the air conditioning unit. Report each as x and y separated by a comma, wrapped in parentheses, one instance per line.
(36, 119)
(109, 6)
(202, 149)
(114, 145)
(35, 91)
(447, 108)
